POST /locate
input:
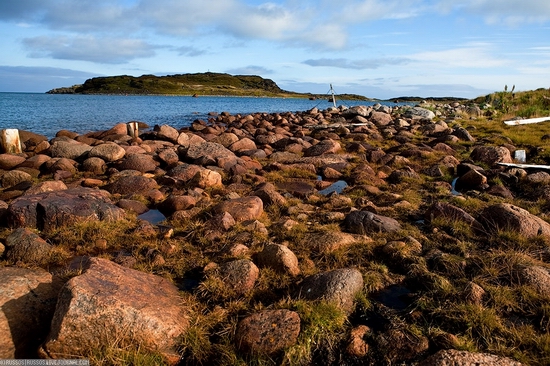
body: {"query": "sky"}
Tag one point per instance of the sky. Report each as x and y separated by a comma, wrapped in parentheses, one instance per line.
(375, 48)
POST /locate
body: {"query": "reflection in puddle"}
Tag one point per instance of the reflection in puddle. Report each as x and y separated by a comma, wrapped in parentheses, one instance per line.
(152, 216)
(337, 187)
(453, 188)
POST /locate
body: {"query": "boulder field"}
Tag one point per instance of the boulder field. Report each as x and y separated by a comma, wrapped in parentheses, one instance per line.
(264, 213)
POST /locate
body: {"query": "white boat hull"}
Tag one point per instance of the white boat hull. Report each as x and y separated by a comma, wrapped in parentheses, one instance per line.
(527, 121)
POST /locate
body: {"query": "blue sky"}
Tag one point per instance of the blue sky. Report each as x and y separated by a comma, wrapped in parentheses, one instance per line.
(376, 48)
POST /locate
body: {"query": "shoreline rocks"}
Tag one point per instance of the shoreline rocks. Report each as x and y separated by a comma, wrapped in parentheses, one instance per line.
(243, 206)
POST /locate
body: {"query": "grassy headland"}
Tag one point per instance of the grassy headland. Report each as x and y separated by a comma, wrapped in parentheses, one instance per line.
(199, 84)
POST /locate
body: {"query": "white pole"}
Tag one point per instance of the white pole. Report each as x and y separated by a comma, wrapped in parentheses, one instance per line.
(332, 92)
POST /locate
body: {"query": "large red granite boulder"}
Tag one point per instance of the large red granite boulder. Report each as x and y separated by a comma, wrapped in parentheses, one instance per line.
(113, 306)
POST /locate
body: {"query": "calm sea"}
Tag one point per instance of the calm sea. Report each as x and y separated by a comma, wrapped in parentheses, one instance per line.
(46, 114)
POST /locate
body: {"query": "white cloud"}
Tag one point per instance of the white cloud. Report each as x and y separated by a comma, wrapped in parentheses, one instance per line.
(343, 63)
(510, 12)
(100, 50)
(474, 56)
(367, 10)
(190, 51)
(250, 70)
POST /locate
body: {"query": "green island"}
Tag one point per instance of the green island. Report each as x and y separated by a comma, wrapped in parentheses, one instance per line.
(198, 84)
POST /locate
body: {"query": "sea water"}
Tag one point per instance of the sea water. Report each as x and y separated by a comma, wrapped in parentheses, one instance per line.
(46, 114)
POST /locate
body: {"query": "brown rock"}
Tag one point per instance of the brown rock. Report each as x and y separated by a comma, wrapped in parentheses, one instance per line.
(107, 152)
(91, 183)
(242, 209)
(208, 153)
(206, 178)
(242, 145)
(184, 172)
(141, 162)
(338, 286)
(269, 195)
(167, 133)
(238, 250)
(474, 293)
(324, 147)
(51, 210)
(69, 149)
(27, 304)
(380, 118)
(268, 331)
(365, 222)
(132, 205)
(398, 176)
(301, 189)
(35, 161)
(94, 165)
(46, 186)
(453, 357)
(13, 178)
(10, 161)
(239, 275)
(356, 345)
(491, 154)
(329, 241)
(174, 203)
(471, 180)
(226, 139)
(448, 211)
(118, 129)
(537, 277)
(55, 164)
(400, 346)
(112, 306)
(280, 258)
(132, 184)
(168, 156)
(504, 216)
(25, 245)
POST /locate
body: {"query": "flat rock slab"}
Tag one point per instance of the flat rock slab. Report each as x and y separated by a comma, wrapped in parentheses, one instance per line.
(109, 306)
(51, 210)
(27, 304)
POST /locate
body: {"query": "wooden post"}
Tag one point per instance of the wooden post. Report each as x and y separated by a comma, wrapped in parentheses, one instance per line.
(10, 142)
(133, 129)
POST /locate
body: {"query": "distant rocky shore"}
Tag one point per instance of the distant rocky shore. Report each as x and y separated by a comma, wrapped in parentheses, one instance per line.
(262, 184)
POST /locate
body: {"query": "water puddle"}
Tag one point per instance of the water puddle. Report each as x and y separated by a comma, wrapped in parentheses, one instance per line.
(152, 216)
(396, 297)
(453, 188)
(337, 187)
